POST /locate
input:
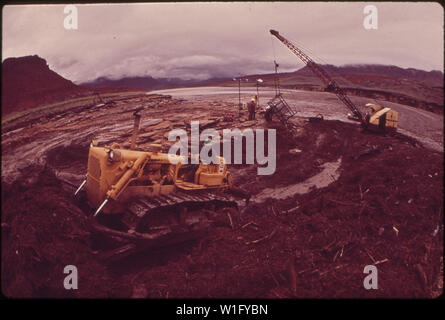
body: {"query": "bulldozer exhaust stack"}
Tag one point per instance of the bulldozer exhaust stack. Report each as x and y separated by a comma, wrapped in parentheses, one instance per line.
(137, 121)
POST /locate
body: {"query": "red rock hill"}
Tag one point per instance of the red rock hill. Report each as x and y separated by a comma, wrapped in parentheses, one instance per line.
(28, 82)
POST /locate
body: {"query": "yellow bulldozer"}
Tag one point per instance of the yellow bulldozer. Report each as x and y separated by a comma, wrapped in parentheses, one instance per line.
(144, 199)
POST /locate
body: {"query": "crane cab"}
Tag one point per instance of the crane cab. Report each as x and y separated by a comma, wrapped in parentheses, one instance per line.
(380, 118)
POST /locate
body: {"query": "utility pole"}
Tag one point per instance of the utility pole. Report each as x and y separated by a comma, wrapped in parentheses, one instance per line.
(258, 81)
(240, 106)
(137, 121)
(239, 96)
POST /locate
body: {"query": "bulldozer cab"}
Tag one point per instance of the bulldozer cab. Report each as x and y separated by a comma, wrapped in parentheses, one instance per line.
(202, 176)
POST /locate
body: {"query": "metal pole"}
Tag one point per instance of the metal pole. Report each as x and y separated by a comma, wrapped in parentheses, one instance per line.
(80, 187)
(239, 98)
(137, 120)
(277, 79)
(257, 95)
(101, 207)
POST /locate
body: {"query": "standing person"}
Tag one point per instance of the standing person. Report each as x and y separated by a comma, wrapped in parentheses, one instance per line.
(251, 106)
(256, 101)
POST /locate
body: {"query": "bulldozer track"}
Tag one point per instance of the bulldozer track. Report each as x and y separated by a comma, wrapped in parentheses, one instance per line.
(163, 220)
(145, 211)
(138, 206)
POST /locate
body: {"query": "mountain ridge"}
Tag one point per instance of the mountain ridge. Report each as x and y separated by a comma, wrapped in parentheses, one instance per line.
(28, 82)
(151, 83)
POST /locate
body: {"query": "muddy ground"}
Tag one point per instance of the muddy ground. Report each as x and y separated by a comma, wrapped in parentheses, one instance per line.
(347, 200)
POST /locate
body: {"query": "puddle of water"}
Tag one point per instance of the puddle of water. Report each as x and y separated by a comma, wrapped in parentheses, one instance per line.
(204, 91)
(329, 174)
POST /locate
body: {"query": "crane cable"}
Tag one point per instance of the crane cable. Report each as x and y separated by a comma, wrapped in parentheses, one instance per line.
(299, 46)
(306, 50)
(273, 46)
(276, 81)
(319, 59)
(330, 74)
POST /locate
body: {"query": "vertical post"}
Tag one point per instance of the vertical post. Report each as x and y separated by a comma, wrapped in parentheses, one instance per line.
(258, 81)
(239, 98)
(277, 80)
(137, 120)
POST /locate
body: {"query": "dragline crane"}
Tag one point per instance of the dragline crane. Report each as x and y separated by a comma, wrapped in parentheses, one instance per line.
(376, 118)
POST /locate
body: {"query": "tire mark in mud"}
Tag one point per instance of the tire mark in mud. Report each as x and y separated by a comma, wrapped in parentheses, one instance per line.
(329, 174)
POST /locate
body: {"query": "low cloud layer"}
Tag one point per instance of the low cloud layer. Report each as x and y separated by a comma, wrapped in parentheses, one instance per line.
(205, 40)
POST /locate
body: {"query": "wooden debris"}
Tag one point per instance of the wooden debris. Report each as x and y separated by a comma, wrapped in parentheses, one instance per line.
(369, 255)
(273, 277)
(362, 209)
(327, 271)
(344, 203)
(250, 223)
(263, 238)
(381, 261)
(292, 273)
(230, 219)
(370, 151)
(339, 252)
(422, 275)
(292, 210)
(381, 230)
(275, 212)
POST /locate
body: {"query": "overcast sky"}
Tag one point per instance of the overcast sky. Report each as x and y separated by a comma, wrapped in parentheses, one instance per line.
(203, 40)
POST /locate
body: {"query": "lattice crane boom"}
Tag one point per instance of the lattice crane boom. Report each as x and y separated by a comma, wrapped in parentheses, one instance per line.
(323, 75)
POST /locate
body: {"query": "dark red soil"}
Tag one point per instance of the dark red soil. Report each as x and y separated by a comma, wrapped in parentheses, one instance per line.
(383, 210)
